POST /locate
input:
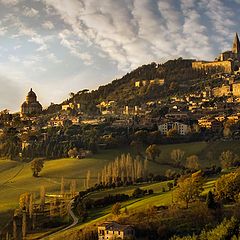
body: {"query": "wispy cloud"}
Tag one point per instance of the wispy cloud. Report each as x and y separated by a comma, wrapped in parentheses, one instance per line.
(48, 25)
(66, 40)
(45, 40)
(9, 2)
(30, 12)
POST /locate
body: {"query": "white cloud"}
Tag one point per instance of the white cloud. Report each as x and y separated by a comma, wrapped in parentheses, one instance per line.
(48, 25)
(133, 32)
(3, 31)
(195, 40)
(9, 2)
(10, 98)
(12, 58)
(222, 21)
(53, 58)
(17, 47)
(30, 12)
(66, 40)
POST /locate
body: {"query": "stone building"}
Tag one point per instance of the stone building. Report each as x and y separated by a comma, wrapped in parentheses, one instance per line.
(236, 89)
(31, 106)
(181, 128)
(113, 230)
(234, 54)
(224, 90)
(226, 62)
(217, 66)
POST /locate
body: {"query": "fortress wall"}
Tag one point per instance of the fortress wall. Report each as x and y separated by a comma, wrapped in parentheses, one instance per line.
(225, 66)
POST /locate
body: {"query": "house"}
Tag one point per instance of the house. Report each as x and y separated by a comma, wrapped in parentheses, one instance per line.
(224, 90)
(181, 128)
(142, 83)
(209, 123)
(113, 230)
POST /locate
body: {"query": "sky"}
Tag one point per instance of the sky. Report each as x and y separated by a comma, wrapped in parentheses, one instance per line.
(62, 46)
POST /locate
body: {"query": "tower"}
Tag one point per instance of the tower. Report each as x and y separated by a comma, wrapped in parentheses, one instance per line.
(236, 47)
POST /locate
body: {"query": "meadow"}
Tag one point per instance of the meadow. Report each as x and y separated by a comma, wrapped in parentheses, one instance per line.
(16, 178)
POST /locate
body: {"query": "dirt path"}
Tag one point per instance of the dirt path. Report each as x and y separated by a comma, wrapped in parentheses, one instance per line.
(15, 175)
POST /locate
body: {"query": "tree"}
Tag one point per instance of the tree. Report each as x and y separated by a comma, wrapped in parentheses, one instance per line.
(42, 197)
(62, 186)
(138, 193)
(177, 156)
(88, 178)
(72, 153)
(192, 162)
(228, 159)
(73, 185)
(172, 132)
(36, 166)
(227, 186)
(136, 146)
(153, 152)
(170, 173)
(227, 132)
(116, 209)
(140, 136)
(170, 186)
(188, 189)
(210, 202)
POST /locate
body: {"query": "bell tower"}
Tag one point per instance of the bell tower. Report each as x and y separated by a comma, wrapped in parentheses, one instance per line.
(236, 47)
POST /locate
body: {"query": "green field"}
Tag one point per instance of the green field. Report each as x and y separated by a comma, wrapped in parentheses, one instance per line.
(99, 215)
(16, 178)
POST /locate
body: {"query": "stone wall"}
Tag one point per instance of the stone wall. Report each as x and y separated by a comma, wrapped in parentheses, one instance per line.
(221, 66)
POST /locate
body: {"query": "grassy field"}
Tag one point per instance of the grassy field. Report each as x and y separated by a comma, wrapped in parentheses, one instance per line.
(16, 178)
(98, 215)
(159, 198)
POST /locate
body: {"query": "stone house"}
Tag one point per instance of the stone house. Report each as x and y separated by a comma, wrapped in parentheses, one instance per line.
(113, 230)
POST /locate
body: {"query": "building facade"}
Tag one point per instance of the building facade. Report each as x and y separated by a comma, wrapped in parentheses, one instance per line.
(30, 106)
(113, 230)
(181, 128)
(226, 62)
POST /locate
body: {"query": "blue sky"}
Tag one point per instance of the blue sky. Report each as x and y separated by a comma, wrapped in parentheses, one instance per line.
(62, 46)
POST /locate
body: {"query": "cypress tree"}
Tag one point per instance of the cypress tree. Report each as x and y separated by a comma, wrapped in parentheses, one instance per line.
(210, 202)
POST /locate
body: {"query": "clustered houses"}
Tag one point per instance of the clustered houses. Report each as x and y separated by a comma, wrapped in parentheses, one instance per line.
(113, 230)
(210, 105)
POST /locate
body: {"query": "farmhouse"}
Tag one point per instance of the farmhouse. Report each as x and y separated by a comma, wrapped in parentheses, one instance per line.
(113, 230)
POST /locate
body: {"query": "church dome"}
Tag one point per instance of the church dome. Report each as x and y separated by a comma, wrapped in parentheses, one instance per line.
(31, 97)
(24, 104)
(31, 105)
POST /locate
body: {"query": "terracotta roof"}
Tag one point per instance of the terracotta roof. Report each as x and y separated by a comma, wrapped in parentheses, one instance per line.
(114, 226)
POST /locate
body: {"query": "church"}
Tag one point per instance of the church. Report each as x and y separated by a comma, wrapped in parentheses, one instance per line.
(31, 106)
(226, 62)
(234, 54)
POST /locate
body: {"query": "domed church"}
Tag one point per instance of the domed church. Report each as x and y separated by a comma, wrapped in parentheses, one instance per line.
(31, 106)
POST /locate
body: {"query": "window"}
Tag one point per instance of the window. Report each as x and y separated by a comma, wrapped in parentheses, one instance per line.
(119, 232)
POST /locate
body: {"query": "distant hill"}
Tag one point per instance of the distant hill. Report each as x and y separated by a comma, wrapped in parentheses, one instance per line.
(178, 76)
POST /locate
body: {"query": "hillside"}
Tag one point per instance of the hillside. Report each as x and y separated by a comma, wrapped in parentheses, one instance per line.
(16, 178)
(178, 76)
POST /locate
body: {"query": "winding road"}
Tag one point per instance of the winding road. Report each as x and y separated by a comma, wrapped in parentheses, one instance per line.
(73, 216)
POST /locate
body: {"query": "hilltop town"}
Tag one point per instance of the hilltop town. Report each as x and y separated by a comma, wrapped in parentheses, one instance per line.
(132, 160)
(203, 106)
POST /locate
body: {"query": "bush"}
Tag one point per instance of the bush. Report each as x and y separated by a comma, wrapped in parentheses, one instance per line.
(150, 191)
(138, 193)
